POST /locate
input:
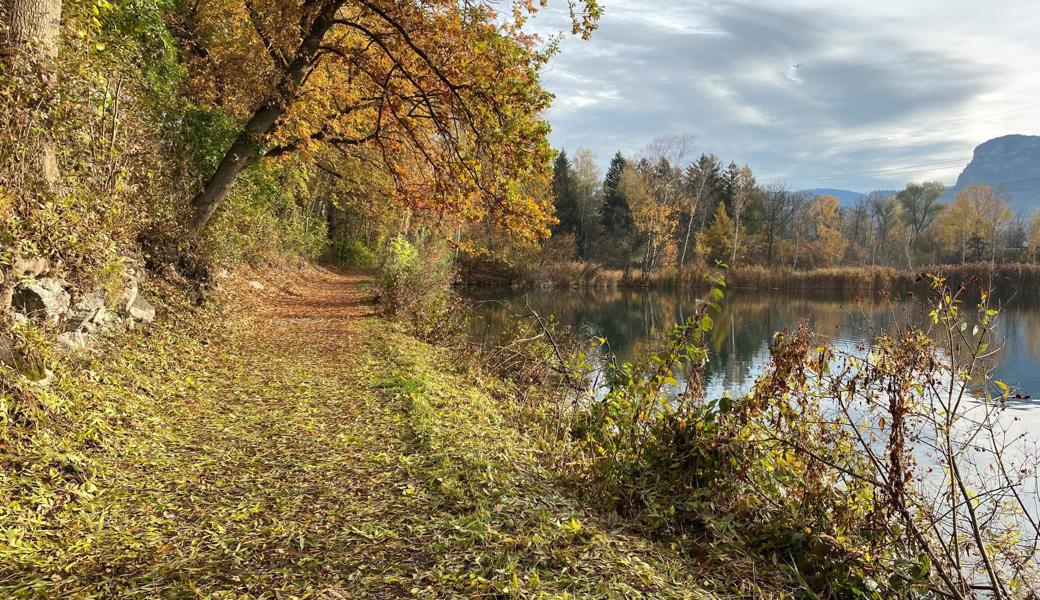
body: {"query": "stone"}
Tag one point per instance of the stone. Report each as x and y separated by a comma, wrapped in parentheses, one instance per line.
(7, 355)
(141, 310)
(44, 299)
(256, 285)
(73, 341)
(88, 311)
(129, 294)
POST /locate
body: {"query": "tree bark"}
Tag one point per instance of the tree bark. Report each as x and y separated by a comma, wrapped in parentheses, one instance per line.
(248, 146)
(33, 28)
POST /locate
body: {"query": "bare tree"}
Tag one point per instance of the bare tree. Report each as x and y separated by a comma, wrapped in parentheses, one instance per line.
(920, 202)
(780, 207)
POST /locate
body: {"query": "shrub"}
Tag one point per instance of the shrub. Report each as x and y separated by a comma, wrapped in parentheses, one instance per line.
(415, 286)
(871, 474)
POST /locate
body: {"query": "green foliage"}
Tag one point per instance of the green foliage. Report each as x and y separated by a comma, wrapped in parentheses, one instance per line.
(266, 217)
(616, 214)
(352, 252)
(414, 285)
(205, 135)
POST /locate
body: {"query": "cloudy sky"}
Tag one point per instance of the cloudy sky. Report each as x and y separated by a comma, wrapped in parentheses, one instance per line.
(837, 93)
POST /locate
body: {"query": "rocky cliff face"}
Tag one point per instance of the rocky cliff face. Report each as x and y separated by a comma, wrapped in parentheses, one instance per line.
(1011, 164)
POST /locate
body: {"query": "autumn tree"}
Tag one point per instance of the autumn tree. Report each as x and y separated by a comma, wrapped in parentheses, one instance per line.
(972, 223)
(652, 213)
(446, 94)
(920, 202)
(715, 242)
(1033, 240)
(828, 242)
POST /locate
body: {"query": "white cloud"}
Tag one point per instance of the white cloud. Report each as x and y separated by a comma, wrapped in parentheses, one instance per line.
(878, 88)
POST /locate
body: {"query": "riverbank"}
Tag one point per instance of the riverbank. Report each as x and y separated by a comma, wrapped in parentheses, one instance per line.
(1010, 278)
(286, 442)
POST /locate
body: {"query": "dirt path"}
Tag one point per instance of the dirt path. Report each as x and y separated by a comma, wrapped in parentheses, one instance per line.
(309, 450)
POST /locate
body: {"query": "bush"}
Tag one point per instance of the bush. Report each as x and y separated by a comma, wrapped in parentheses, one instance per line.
(826, 467)
(415, 286)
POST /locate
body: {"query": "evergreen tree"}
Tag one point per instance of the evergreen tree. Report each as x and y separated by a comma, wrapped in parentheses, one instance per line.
(700, 181)
(565, 196)
(729, 184)
(616, 214)
(715, 243)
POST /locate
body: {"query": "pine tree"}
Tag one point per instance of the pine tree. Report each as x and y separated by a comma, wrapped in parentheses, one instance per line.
(565, 196)
(615, 214)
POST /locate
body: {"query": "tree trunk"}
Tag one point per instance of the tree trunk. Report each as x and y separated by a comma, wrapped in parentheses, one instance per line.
(736, 236)
(33, 30)
(33, 27)
(686, 241)
(248, 146)
(243, 153)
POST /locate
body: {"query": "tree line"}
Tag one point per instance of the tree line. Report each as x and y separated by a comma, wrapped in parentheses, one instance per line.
(665, 208)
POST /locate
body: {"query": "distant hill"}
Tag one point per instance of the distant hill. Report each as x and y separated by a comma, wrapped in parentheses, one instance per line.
(1010, 163)
(847, 198)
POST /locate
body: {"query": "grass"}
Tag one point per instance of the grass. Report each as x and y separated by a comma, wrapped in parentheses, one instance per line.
(862, 280)
(297, 448)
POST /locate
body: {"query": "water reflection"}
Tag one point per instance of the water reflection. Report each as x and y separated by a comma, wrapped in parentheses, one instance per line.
(635, 322)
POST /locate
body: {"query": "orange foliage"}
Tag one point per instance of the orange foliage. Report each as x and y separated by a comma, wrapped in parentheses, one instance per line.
(442, 96)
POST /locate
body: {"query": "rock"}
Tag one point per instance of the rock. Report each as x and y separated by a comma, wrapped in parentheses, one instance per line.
(44, 299)
(129, 294)
(256, 285)
(73, 341)
(141, 310)
(45, 379)
(7, 355)
(88, 311)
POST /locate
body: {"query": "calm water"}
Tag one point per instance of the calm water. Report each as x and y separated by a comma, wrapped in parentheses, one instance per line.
(634, 322)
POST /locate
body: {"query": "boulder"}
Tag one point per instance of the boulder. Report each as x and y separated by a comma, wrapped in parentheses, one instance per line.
(256, 285)
(44, 299)
(141, 310)
(88, 311)
(73, 341)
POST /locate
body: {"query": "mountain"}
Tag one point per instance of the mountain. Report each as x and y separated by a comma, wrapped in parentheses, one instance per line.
(1011, 164)
(846, 198)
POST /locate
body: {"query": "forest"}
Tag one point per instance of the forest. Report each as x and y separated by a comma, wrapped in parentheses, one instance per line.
(662, 209)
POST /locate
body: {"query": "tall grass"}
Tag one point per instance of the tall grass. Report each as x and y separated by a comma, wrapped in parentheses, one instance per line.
(1011, 279)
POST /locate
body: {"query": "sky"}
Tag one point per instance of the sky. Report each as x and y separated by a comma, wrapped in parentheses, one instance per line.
(857, 95)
